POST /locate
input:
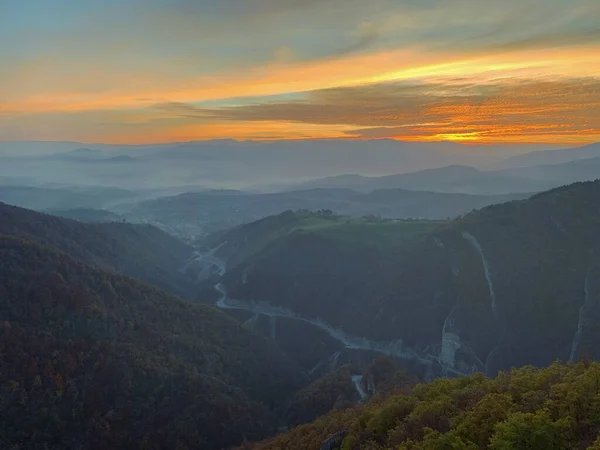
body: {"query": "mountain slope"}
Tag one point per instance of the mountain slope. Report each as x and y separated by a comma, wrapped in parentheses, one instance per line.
(510, 284)
(86, 214)
(141, 251)
(243, 241)
(94, 360)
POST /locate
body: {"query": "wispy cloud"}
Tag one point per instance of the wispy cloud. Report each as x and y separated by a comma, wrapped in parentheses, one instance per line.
(368, 34)
(430, 69)
(534, 109)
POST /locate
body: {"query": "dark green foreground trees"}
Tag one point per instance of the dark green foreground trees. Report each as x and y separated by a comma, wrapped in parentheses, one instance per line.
(554, 408)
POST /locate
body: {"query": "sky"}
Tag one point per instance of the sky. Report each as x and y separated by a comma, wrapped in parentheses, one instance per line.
(141, 71)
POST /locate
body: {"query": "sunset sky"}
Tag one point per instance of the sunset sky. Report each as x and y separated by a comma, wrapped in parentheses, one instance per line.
(138, 71)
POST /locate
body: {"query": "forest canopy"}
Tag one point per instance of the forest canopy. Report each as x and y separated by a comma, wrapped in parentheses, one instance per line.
(554, 408)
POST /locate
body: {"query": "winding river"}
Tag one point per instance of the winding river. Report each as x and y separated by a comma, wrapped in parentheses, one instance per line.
(391, 348)
(210, 263)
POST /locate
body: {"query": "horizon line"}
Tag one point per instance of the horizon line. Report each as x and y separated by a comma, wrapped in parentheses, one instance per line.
(468, 143)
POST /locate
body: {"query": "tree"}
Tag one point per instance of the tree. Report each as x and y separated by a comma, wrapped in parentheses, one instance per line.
(477, 425)
(531, 431)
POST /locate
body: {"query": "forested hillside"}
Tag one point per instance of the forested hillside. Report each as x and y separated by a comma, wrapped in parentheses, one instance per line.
(510, 284)
(247, 240)
(86, 214)
(94, 360)
(347, 385)
(555, 408)
(142, 251)
(92, 357)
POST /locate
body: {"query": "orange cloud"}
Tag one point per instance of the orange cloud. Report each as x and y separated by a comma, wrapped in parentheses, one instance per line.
(134, 91)
(264, 130)
(526, 110)
(513, 94)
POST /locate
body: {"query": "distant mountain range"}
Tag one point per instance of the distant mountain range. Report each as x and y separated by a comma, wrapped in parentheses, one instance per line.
(558, 156)
(168, 184)
(236, 164)
(196, 213)
(466, 179)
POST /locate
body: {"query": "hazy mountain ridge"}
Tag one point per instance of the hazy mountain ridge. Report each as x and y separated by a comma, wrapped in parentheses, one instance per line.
(548, 157)
(428, 178)
(234, 164)
(45, 197)
(467, 179)
(209, 212)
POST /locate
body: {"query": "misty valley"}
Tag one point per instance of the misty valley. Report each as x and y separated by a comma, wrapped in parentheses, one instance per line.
(441, 306)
